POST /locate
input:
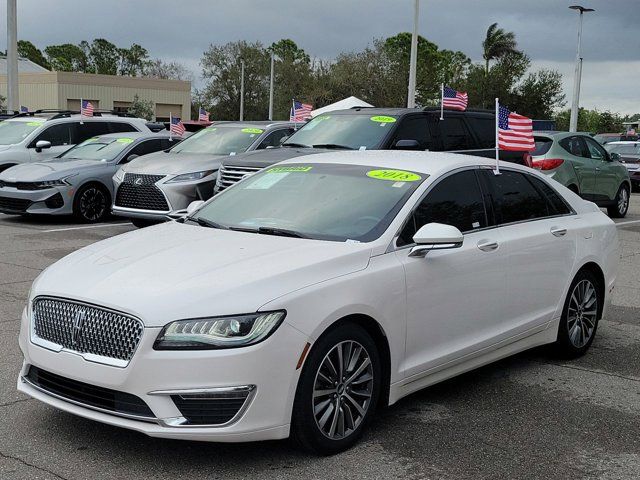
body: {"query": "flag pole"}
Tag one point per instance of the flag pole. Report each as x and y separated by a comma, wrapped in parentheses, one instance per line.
(293, 113)
(442, 101)
(81, 122)
(497, 170)
(170, 127)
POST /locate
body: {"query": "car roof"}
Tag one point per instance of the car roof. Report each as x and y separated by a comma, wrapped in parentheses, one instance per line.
(558, 134)
(430, 163)
(624, 142)
(263, 124)
(134, 135)
(73, 117)
(404, 111)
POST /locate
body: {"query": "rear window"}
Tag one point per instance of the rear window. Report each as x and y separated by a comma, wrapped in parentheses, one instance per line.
(542, 146)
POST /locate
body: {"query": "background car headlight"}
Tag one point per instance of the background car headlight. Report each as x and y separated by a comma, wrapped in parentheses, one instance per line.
(119, 176)
(62, 182)
(187, 177)
(218, 332)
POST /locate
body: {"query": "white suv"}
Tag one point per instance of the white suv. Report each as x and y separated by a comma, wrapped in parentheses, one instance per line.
(42, 135)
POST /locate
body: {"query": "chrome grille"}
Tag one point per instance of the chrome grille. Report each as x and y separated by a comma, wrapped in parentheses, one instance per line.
(231, 174)
(92, 331)
(140, 192)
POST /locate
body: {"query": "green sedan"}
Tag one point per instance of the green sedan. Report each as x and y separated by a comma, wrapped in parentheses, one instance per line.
(580, 163)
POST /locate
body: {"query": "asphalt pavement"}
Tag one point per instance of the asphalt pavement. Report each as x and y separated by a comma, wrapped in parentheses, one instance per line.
(531, 416)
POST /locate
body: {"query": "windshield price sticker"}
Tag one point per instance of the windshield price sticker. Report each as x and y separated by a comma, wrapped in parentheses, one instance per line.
(125, 140)
(34, 124)
(253, 131)
(288, 169)
(383, 120)
(394, 175)
(266, 181)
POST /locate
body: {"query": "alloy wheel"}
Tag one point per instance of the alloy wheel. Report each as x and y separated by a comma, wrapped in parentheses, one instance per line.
(342, 390)
(623, 201)
(582, 314)
(93, 204)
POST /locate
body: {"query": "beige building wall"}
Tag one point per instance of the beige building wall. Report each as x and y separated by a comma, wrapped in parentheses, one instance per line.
(64, 90)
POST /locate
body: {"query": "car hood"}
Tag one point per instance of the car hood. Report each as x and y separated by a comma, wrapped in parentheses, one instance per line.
(163, 163)
(173, 271)
(54, 170)
(264, 158)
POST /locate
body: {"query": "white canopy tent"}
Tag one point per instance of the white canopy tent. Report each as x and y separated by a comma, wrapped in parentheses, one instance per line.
(341, 105)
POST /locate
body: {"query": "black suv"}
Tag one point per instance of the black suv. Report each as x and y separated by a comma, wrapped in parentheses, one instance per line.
(471, 132)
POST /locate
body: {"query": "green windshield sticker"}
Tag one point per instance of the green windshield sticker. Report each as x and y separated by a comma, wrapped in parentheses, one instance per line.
(125, 140)
(383, 119)
(394, 175)
(288, 169)
(92, 139)
(34, 124)
(254, 131)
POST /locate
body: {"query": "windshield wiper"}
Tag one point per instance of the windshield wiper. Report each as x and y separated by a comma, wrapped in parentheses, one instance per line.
(282, 232)
(333, 146)
(203, 222)
(299, 145)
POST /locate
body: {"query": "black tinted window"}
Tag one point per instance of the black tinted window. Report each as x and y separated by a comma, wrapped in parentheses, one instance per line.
(595, 150)
(543, 145)
(515, 197)
(274, 138)
(415, 128)
(61, 134)
(148, 146)
(456, 200)
(485, 130)
(117, 127)
(556, 205)
(88, 130)
(574, 146)
(454, 134)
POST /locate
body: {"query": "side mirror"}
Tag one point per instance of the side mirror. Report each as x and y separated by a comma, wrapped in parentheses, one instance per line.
(615, 157)
(42, 145)
(435, 236)
(193, 206)
(284, 139)
(407, 145)
(133, 156)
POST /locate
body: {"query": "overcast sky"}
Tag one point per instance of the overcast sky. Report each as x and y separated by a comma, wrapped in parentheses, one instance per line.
(545, 29)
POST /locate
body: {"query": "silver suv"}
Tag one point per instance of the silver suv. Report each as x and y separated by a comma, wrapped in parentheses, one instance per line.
(44, 134)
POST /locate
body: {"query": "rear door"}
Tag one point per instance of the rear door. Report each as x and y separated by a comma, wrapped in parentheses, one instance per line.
(577, 153)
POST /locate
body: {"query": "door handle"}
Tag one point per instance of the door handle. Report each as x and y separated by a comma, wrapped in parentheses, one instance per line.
(487, 245)
(558, 231)
(597, 169)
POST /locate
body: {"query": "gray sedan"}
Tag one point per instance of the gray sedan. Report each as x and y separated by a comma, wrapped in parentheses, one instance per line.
(78, 181)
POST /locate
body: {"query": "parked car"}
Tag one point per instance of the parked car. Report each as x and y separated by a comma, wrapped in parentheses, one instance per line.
(78, 181)
(583, 165)
(605, 138)
(44, 134)
(301, 299)
(471, 132)
(629, 155)
(160, 187)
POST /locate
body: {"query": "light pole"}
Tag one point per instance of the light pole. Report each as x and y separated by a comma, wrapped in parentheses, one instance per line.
(271, 86)
(241, 90)
(411, 98)
(575, 103)
(12, 56)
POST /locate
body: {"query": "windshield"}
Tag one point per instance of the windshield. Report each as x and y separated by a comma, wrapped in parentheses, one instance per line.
(321, 201)
(97, 148)
(225, 140)
(633, 149)
(344, 131)
(12, 132)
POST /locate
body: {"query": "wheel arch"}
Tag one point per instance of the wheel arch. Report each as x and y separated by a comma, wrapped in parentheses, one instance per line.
(596, 270)
(96, 182)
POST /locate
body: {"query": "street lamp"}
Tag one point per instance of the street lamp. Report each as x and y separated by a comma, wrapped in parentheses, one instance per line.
(241, 90)
(573, 123)
(12, 56)
(411, 98)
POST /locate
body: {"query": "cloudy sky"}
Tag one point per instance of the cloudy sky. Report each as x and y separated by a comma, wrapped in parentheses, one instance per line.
(181, 30)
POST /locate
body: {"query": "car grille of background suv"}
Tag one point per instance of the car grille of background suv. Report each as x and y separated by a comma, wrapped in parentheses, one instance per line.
(14, 205)
(232, 174)
(139, 191)
(86, 329)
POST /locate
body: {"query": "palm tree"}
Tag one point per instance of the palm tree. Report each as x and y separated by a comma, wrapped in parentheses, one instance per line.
(497, 44)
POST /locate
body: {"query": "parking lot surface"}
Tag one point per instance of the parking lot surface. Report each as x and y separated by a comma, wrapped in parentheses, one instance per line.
(527, 417)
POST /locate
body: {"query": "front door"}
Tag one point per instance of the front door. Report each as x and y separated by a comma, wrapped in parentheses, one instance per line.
(583, 165)
(607, 172)
(62, 137)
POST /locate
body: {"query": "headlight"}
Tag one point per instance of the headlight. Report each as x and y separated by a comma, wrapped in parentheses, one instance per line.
(218, 332)
(119, 176)
(53, 183)
(187, 177)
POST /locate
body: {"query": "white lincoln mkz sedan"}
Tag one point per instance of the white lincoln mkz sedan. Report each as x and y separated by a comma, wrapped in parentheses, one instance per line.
(300, 299)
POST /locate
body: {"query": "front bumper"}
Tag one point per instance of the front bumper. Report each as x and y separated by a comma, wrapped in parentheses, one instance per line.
(154, 376)
(50, 201)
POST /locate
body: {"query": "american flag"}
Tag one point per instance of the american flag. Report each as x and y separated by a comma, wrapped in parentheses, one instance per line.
(203, 115)
(300, 112)
(454, 99)
(86, 108)
(176, 126)
(515, 132)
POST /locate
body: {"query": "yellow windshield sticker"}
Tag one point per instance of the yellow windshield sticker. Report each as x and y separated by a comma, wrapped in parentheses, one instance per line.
(125, 140)
(383, 119)
(92, 139)
(34, 124)
(288, 169)
(254, 131)
(394, 175)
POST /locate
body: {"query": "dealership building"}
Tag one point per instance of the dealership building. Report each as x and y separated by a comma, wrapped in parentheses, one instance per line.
(41, 88)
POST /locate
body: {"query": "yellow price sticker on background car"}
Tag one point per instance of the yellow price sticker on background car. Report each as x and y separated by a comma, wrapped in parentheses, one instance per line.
(34, 124)
(394, 175)
(125, 140)
(254, 131)
(288, 169)
(383, 119)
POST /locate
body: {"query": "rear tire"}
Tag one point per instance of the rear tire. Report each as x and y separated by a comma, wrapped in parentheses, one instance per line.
(335, 399)
(619, 210)
(92, 203)
(580, 315)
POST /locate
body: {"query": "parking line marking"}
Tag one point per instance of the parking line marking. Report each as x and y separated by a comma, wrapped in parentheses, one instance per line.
(84, 228)
(630, 222)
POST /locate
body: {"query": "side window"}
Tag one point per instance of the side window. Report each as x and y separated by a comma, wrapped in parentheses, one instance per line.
(274, 138)
(143, 148)
(557, 206)
(455, 135)
(92, 129)
(59, 135)
(515, 198)
(167, 144)
(595, 151)
(485, 130)
(415, 128)
(574, 146)
(117, 127)
(456, 200)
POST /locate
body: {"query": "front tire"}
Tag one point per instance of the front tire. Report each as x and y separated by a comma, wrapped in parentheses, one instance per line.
(92, 203)
(580, 316)
(619, 210)
(338, 391)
